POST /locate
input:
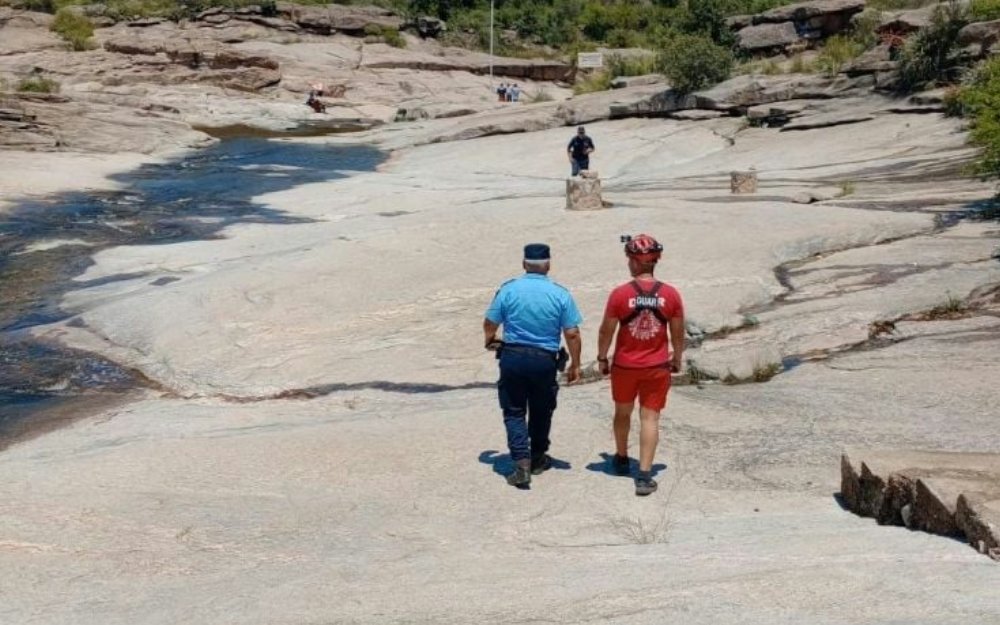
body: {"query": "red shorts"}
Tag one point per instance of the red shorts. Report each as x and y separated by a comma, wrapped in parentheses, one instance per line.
(650, 385)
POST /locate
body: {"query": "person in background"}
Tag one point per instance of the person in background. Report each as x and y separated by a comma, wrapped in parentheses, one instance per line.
(579, 150)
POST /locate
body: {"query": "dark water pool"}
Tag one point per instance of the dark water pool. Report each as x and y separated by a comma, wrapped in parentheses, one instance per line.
(189, 198)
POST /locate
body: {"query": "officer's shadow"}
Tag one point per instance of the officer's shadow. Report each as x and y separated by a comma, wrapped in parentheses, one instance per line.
(503, 465)
(605, 466)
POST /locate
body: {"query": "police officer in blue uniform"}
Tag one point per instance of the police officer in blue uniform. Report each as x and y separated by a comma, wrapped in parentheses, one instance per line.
(534, 311)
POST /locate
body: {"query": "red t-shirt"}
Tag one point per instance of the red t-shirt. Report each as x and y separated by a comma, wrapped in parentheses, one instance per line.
(642, 342)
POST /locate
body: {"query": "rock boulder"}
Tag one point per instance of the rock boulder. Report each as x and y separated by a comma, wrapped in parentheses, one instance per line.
(767, 37)
(981, 33)
(583, 193)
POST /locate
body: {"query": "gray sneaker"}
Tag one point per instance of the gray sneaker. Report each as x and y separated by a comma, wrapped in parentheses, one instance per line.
(644, 486)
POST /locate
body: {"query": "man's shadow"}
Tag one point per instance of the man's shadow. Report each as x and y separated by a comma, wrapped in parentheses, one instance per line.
(606, 467)
(504, 466)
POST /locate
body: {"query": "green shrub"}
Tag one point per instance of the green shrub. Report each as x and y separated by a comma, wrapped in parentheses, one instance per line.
(930, 55)
(865, 29)
(74, 27)
(693, 62)
(38, 84)
(980, 100)
(393, 37)
(389, 35)
(984, 10)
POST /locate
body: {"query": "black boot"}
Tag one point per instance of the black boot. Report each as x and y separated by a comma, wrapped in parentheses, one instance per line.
(521, 477)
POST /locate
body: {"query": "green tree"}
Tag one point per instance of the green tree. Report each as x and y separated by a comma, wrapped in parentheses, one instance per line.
(693, 62)
(929, 55)
(980, 100)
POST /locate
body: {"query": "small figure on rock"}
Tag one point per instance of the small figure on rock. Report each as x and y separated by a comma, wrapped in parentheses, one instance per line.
(534, 311)
(315, 103)
(579, 150)
(513, 93)
(502, 92)
(648, 316)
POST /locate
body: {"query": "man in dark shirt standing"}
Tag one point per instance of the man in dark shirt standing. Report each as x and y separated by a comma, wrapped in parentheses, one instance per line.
(579, 151)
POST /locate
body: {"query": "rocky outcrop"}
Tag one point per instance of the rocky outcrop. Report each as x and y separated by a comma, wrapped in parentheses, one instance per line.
(813, 13)
(624, 82)
(767, 37)
(878, 59)
(739, 93)
(475, 63)
(946, 493)
(349, 19)
(800, 23)
(980, 33)
(903, 23)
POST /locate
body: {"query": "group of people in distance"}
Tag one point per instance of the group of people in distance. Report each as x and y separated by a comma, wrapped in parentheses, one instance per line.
(643, 317)
(508, 93)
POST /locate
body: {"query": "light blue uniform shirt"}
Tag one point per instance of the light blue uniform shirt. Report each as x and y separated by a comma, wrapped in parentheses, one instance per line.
(534, 310)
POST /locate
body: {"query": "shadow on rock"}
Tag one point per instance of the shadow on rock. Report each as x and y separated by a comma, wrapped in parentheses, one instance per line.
(605, 466)
(503, 465)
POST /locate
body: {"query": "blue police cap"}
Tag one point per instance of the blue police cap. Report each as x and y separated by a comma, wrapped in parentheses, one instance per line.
(536, 251)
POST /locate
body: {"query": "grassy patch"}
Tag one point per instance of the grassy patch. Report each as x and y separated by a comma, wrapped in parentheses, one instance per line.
(630, 66)
(540, 96)
(390, 36)
(800, 65)
(984, 10)
(639, 532)
(74, 28)
(597, 81)
(38, 84)
(950, 308)
(838, 51)
(696, 375)
(762, 372)
(847, 188)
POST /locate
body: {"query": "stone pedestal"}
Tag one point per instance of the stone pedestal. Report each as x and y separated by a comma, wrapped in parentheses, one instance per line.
(583, 193)
(743, 181)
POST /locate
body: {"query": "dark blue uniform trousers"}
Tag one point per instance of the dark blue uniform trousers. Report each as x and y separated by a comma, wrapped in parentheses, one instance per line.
(527, 388)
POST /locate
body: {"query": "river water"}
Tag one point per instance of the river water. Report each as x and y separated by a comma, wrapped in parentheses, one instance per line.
(44, 244)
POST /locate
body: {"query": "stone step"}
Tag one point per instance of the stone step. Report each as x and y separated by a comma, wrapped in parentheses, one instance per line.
(948, 493)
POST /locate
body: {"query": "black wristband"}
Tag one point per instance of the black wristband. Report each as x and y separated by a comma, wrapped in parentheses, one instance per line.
(599, 359)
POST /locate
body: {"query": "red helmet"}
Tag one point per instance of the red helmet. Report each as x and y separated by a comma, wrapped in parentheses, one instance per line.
(643, 247)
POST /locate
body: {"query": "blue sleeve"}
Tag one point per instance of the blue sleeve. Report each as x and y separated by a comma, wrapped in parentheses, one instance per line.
(571, 317)
(495, 312)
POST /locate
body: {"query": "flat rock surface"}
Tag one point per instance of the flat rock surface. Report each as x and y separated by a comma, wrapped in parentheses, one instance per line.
(381, 500)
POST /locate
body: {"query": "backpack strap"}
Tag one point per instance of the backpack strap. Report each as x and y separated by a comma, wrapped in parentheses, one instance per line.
(641, 305)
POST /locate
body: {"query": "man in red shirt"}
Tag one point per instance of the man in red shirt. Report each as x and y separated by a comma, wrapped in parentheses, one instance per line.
(649, 318)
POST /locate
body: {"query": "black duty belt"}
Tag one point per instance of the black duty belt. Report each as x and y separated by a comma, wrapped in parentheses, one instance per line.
(529, 349)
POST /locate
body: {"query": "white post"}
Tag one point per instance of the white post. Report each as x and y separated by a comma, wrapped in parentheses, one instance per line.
(491, 44)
